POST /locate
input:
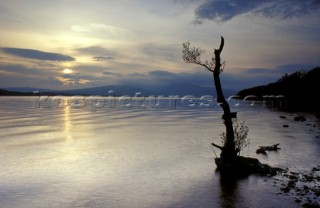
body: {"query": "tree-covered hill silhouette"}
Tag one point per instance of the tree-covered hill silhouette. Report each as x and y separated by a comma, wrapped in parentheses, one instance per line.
(14, 93)
(300, 89)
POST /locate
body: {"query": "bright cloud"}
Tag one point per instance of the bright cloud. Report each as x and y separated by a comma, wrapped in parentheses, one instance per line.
(72, 81)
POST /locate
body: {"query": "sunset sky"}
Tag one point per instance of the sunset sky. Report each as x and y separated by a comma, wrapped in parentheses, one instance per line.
(68, 44)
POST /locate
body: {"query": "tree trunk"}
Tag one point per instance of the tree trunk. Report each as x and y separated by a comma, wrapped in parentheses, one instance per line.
(228, 151)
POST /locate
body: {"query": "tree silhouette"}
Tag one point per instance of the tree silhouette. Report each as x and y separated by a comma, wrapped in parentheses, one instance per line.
(193, 55)
(234, 137)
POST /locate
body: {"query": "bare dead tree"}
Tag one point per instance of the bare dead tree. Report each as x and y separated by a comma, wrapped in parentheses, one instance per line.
(234, 138)
(193, 55)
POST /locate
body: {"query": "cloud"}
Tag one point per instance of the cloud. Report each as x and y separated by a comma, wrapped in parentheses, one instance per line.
(112, 74)
(164, 51)
(288, 9)
(261, 76)
(22, 76)
(163, 74)
(99, 29)
(35, 54)
(31, 71)
(279, 70)
(90, 67)
(97, 51)
(222, 11)
(94, 50)
(19, 69)
(160, 78)
(15, 75)
(252, 77)
(102, 58)
(72, 81)
(96, 27)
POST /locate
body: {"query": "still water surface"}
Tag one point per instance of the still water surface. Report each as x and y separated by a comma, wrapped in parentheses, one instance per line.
(139, 156)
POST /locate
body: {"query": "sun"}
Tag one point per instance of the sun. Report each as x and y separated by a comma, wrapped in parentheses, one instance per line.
(67, 71)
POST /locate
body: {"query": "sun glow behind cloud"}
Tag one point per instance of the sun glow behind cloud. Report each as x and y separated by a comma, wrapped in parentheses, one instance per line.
(67, 71)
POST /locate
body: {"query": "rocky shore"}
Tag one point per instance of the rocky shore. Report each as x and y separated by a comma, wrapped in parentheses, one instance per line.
(304, 187)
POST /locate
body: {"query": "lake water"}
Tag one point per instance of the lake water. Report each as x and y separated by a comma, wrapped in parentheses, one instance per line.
(140, 156)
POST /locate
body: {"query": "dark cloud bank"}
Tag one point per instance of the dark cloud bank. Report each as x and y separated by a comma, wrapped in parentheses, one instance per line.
(35, 54)
(224, 10)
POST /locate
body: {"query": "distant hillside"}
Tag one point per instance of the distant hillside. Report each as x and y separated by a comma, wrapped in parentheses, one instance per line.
(180, 89)
(14, 93)
(27, 89)
(300, 89)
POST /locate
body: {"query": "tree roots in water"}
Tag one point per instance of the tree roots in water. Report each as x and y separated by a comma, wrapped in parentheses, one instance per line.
(245, 166)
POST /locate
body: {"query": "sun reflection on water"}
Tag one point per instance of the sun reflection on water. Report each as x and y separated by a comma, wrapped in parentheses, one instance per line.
(67, 124)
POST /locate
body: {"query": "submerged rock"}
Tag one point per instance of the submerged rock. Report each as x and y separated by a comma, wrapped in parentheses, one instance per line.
(263, 149)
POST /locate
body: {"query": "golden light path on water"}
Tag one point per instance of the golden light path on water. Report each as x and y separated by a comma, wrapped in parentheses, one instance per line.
(67, 124)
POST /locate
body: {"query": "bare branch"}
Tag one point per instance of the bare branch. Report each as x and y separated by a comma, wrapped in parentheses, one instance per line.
(214, 152)
(217, 146)
(193, 55)
(221, 44)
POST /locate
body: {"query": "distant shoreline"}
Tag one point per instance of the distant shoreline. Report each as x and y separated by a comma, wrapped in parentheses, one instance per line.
(300, 91)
